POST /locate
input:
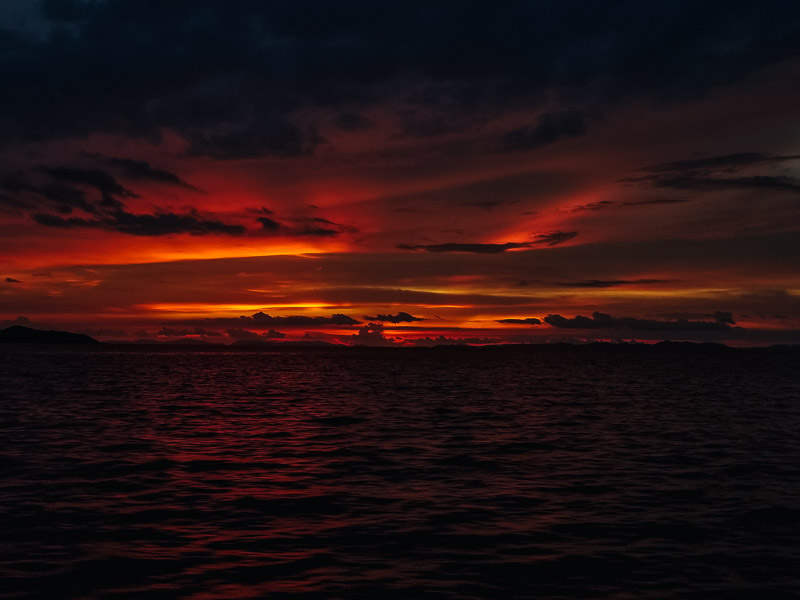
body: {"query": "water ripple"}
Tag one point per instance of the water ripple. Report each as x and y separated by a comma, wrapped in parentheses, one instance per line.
(348, 473)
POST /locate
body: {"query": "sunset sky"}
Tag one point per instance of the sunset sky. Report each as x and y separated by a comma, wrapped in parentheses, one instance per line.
(401, 173)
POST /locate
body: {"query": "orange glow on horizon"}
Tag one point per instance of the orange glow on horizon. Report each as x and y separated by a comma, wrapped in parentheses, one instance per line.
(207, 309)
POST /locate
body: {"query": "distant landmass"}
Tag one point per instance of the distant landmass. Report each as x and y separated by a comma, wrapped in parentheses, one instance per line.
(18, 334)
(257, 342)
(188, 342)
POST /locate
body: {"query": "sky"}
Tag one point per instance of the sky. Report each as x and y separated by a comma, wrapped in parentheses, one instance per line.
(401, 173)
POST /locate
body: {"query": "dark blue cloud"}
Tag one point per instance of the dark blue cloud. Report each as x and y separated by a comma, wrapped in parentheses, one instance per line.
(243, 79)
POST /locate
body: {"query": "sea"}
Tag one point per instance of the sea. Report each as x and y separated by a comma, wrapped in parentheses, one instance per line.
(399, 473)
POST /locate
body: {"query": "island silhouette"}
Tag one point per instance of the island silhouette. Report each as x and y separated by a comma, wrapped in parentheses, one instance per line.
(20, 334)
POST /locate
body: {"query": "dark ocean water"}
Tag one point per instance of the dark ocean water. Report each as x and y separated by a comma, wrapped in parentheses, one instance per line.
(398, 473)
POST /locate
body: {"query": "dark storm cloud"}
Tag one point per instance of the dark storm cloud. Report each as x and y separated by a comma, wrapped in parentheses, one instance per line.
(400, 317)
(237, 79)
(139, 169)
(102, 181)
(99, 195)
(12, 280)
(21, 202)
(268, 224)
(160, 223)
(66, 198)
(59, 193)
(525, 321)
(600, 320)
(263, 319)
(474, 248)
(549, 127)
(605, 283)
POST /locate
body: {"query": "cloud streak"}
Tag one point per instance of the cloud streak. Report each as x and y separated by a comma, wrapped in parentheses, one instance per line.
(600, 320)
(524, 321)
(142, 170)
(102, 200)
(552, 238)
(470, 248)
(157, 224)
(730, 162)
(303, 227)
(261, 319)
(400, 317)
(607, 283)
(715, 173)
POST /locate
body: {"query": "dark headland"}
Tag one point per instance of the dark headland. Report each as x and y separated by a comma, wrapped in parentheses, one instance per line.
(17, 334)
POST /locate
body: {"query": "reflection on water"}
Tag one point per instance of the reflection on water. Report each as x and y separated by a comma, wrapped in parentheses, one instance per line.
(446, 473)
